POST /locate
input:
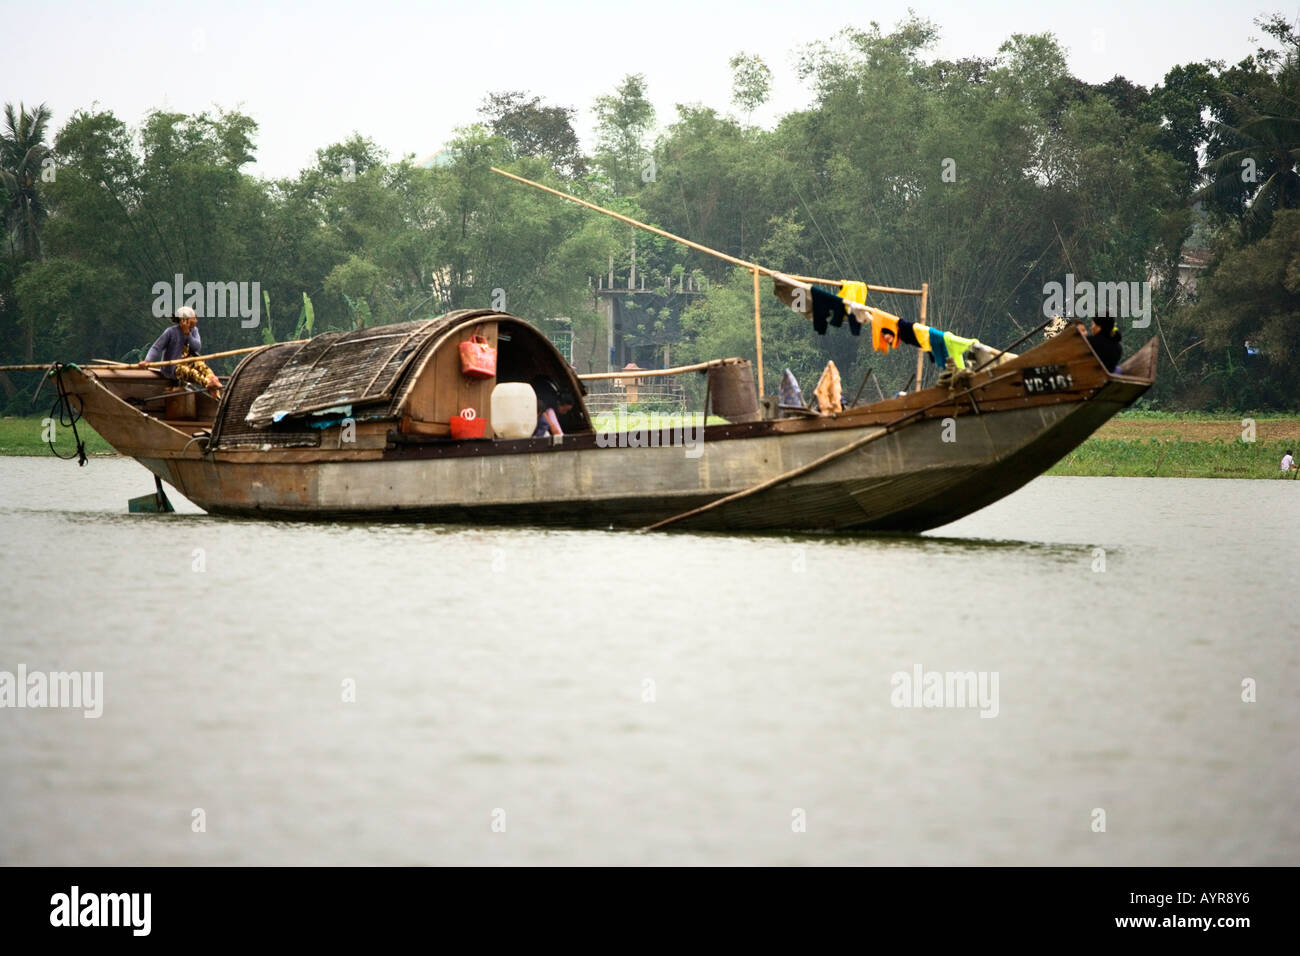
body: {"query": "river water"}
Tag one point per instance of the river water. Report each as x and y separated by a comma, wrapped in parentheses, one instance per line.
(278, 693)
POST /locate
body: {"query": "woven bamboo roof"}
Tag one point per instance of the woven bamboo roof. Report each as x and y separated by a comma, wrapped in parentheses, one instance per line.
(359, 368)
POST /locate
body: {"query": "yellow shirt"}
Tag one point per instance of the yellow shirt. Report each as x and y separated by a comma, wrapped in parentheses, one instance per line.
(854, 292)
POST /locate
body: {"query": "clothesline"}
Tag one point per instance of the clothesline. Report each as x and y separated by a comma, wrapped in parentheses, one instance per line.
(849, 302)
(870, 288)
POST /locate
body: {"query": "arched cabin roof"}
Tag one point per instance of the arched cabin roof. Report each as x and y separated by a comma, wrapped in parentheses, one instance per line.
(276, 392)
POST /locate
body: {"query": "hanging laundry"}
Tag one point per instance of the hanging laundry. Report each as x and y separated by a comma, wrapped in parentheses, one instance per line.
(854, 292)
(984, 356)
(826, 307)
(906, 333)
(859, 315)
(797, 295)
(881, 322)
(957, 346)
(979, 354)
(790, 394)
(838, 311)
(922, 333)
(938, 353)
(828, 391)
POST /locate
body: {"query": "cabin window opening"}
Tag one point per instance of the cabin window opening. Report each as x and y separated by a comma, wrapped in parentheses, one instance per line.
(526, 358)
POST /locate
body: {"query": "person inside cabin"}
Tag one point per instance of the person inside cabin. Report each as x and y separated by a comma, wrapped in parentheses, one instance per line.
(181, 340)
(1105, 342)
(552, 405)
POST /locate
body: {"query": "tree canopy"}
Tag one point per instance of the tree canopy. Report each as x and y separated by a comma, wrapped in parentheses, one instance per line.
(988, 178)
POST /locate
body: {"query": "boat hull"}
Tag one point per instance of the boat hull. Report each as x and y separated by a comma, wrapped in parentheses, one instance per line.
(915, 470)
(910, 480)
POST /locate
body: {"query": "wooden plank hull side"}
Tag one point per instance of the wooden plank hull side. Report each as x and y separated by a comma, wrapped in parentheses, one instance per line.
(929, 472)
(910, 480)
(129, 430)
(1007, 473)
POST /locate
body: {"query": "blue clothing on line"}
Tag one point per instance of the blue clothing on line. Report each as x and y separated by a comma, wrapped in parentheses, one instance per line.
(938, 350)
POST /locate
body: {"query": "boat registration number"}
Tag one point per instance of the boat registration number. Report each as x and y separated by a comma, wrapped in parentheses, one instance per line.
(1041, 379)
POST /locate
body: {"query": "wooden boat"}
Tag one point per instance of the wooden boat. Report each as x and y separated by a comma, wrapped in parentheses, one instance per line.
(356, 425)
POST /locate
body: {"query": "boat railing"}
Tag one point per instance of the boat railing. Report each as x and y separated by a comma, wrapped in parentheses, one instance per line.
(662, 394)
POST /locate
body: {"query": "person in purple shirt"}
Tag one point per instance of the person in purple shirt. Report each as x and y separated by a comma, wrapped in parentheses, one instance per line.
(552, 404)
(180, 341)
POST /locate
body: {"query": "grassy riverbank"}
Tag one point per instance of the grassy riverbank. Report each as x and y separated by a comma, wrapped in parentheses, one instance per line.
(1158, 444)
(1154, 458)
(26, 436)
(1133, 445)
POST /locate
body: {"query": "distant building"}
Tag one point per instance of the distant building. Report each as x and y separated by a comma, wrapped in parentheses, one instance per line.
(1190, 266)
(1191, 263)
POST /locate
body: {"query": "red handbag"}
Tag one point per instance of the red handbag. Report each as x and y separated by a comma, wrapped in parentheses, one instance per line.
(478, 359)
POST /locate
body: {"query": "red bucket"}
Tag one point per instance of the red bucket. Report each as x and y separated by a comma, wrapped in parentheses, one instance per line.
(478, 359)
(468, 425)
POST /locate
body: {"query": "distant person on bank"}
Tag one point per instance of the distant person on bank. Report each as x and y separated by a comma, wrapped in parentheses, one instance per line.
(1105, 342)
(1288, 464)
(181, 341)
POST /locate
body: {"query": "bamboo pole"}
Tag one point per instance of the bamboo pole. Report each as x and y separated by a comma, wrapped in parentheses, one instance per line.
(634, 222)
(870, 288)
(217, 355)
(879, 432)
(758, 336)
(753, 267)
(35, 368)
(825, 459)
(656, 372)
(109, 363)
(920, 355)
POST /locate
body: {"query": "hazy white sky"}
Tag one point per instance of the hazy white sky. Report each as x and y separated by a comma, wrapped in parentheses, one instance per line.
(407, 73)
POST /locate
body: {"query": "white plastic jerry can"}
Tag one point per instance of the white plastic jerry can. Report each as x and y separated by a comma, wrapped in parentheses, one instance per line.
(514, 410)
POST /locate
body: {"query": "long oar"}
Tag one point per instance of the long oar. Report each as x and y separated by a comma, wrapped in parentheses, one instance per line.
(217, 355)
(109, 363)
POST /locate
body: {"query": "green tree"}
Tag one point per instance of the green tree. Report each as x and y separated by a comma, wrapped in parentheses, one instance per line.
(1249, 315)
(1254, 142)
(533, 129)
(751, 82)
(170, 200)
(24, 166)
(623, 121)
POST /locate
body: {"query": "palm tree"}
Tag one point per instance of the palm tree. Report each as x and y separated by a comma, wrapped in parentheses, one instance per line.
(1267, 140)
(22, 160)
